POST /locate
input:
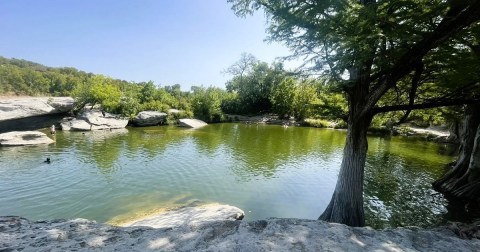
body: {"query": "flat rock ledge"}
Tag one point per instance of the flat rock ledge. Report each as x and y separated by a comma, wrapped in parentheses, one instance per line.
(225, 234)
(191, 123)
(19, 138)
(22, 107)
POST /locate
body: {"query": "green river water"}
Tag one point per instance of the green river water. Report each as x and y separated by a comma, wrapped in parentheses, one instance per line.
(267, 171)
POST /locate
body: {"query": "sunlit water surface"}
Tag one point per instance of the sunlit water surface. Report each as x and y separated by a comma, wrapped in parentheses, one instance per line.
(268, 171)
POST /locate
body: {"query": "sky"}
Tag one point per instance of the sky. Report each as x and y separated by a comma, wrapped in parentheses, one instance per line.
(189, 42)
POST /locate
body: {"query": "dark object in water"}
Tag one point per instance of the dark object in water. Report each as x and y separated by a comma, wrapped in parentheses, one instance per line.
(47, 161)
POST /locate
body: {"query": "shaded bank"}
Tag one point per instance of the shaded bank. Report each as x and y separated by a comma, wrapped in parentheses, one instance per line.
(31, 123)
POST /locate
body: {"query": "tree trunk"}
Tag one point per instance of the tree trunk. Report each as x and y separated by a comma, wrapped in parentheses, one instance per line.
(454, 130)
(463, 181)
(346, 205)
(470, 190)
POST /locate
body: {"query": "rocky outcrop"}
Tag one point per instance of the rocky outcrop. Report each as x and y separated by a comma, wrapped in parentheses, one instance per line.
(32, 113)
(19, 138)
(149, 118)
(94, 120)
(191, 123)
(193, 234)
(22, 107)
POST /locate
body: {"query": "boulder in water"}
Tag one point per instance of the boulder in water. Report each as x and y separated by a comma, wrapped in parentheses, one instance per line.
(150, 118)
(19, 138)
(94, 120)
(191, 123)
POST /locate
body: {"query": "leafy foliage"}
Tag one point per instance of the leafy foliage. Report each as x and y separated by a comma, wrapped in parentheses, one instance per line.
(388, 51)
(206, 103)
(282, 97)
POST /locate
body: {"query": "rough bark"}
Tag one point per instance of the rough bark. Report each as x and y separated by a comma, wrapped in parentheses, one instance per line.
(474, 167)
(346, 205)
(463, 180)
(454, 130)
(470, 190)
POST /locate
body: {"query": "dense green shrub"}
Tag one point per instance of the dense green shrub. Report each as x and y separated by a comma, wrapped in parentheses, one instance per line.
(206, 104)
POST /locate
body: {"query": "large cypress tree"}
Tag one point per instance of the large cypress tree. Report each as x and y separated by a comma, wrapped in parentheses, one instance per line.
(381, 46)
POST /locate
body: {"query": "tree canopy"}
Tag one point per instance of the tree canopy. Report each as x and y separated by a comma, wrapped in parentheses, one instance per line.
(374, 51)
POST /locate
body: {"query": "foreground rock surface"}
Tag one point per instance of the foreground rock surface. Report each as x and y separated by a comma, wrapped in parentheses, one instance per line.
(191, 123)
(18, 138)
(21, 107)
(224, 234)
(149, 118)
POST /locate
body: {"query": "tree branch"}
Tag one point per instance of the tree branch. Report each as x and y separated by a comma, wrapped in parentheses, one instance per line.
(450, 25)
(425, 105)
(413, 91)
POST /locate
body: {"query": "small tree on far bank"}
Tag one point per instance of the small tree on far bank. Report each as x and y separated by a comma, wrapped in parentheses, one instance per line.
(283, 98)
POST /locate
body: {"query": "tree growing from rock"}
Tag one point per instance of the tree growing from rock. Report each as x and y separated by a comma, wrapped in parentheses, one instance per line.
(380, 45)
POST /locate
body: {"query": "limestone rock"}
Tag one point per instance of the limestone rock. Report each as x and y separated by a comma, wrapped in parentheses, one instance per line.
(191, 123)
(75, 125)
(149, 118)
(18, 138)
(192, 216)
(22, 107)
(103, 120)
(94, 120)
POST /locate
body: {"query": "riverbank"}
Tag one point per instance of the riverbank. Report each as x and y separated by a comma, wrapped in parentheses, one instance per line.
(216, 229)
(32, 113)
(436, 133)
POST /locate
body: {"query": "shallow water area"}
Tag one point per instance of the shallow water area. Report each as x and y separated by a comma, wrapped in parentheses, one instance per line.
(266, 170)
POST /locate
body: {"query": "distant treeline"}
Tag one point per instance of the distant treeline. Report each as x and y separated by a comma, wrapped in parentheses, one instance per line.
(256, 87)
(22, 77)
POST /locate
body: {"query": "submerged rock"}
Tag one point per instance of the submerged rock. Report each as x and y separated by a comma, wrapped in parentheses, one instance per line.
(149, 118)
(191, 123)
(220, 234)
(191, 216)
(18, 138)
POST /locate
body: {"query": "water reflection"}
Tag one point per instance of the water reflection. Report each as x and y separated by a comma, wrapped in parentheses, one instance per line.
(260, 150)
(262, 169)
(397, 183)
